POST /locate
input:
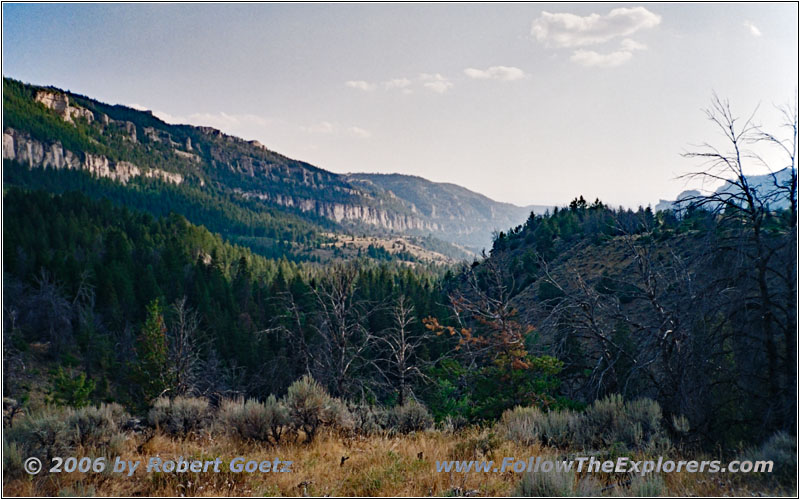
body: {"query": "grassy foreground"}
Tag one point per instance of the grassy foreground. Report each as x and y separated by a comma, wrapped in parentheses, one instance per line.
(402, 465)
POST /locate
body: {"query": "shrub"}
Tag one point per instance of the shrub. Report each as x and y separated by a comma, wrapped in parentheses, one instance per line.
(43, 434)
(338, 416)
(307, 403)
(252, 420)
(547, 484)
(453, 423)
(523, 424)
(95, 426)
(649, 486)
(781, 449)
(368, 419)
(531, 425)
(559, 428)
(69, 390)
(610, 422)
(475, 446)
(412, 416)
(180, 416)
(57, 431)
(12, 461)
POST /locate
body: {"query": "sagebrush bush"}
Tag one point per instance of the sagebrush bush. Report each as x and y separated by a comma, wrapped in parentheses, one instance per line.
(474, 447)
(338, 416)
(648, 486)
(253, 420)
(54, 431)
(412, 416)
(547, 484)
(307, 403)
(42, 434)
(781, 449)
(453, 423)
(523, 424)
(531, 425)
(94, 426)
(610, 422)
(12, 461)
(559, 428)
(180, 416)
(368, 419)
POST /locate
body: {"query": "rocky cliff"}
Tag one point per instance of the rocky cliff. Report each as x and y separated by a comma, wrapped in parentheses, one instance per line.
(342, 212)
(22, 148)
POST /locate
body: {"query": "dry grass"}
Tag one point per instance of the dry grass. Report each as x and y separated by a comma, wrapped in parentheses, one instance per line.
(377, 466)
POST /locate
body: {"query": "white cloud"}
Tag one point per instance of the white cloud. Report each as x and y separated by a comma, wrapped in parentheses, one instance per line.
(360, 85)
(435, 82)
(137, 107)
(570, 30)
(504, 73)
(752, 28)
(629, 45)
(590, 58)
(396, 83)
(222, 121)
(358, 132)
(324, 128)
(328, 128)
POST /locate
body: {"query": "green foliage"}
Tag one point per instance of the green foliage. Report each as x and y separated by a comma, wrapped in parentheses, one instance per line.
(150, 369)
(71, 390)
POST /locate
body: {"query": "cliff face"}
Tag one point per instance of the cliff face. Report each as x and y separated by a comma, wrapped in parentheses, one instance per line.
(344, 212)
(59, 103)
(21, 147)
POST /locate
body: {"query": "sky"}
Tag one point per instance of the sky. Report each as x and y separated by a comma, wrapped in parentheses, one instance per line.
(525, 103)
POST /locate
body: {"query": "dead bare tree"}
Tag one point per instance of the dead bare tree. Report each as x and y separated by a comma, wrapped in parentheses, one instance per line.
(184, 348)
(744, 212)
(341, 328)
(400, 367)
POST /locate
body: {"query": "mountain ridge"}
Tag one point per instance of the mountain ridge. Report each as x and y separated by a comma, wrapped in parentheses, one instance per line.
(45, 127)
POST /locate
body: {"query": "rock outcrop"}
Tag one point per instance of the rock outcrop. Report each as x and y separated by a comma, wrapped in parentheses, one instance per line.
(343, 212)
(22, 148)
(59, 103)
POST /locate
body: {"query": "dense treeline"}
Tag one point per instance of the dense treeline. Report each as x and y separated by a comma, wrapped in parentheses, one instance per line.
(269, 232)
(134, 307)
(86, 277)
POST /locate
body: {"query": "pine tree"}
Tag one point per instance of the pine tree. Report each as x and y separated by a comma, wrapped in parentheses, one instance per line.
(151, 354)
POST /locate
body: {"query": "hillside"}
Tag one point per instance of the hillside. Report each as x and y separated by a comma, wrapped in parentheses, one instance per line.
(463, 216)
(762, 184)
(212, 176)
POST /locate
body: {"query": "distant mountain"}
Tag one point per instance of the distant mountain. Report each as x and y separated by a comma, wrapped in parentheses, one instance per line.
(461, 216)
(762, 184)
(235, 187)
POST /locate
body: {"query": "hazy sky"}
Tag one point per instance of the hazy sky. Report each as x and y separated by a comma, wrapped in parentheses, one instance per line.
(527, 103)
